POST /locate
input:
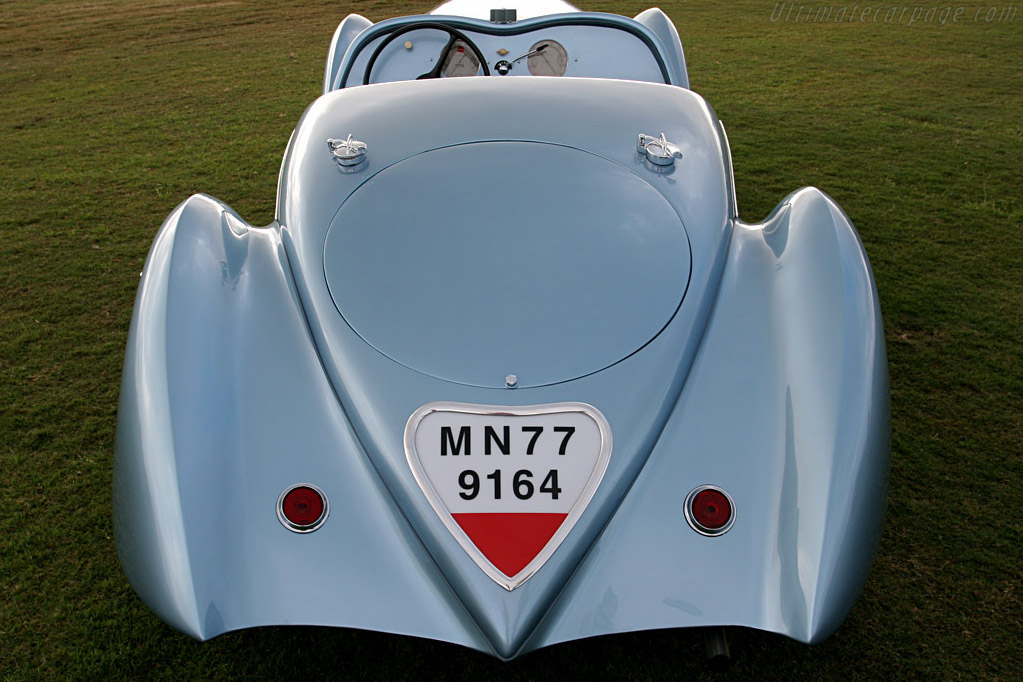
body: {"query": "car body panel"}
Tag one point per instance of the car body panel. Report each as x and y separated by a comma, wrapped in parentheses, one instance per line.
(744, 356)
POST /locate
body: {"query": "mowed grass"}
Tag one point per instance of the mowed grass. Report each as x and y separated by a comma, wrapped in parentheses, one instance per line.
(112, 112)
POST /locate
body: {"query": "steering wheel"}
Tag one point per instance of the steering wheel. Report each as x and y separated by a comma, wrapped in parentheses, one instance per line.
(454, 34)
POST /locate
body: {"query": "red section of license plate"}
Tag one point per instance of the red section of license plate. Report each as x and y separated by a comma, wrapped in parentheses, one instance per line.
(510, 541)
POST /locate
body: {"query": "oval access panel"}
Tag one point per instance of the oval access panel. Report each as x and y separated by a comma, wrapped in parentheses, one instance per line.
(474, 262)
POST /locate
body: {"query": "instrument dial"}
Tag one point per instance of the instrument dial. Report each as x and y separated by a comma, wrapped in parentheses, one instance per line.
(460, 61)
(547, 58)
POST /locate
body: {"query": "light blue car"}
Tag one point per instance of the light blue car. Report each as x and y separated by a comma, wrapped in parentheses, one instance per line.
(507, 369)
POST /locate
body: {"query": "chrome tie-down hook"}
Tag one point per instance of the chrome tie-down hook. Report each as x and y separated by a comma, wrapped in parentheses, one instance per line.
(657, 150)
(347, 152)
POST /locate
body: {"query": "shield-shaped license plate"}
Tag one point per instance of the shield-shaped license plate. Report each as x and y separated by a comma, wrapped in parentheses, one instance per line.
(508, 482)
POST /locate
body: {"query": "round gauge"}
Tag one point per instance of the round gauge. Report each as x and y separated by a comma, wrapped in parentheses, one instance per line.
(547, 58)
(460, 61)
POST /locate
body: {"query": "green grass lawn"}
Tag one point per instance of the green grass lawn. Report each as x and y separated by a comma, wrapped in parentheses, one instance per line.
(112, 112)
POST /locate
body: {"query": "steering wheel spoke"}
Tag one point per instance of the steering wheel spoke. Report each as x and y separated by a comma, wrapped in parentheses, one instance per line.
(454, 36)
(436, 70)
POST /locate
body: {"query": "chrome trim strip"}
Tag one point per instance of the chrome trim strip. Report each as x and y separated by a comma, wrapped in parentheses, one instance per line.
(726, 154)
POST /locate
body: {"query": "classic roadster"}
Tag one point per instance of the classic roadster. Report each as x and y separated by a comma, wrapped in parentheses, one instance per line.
(507, 369)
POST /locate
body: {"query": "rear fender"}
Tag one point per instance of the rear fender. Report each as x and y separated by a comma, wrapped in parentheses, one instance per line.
(224, 405)
(786, 408)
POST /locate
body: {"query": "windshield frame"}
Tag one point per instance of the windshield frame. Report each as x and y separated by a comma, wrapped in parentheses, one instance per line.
(600, 19)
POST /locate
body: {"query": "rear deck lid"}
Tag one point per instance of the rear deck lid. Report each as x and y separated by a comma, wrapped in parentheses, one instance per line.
(480, 261)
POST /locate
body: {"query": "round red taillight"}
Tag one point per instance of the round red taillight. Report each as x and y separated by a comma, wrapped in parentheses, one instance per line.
(709, 510)
(302, 508)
